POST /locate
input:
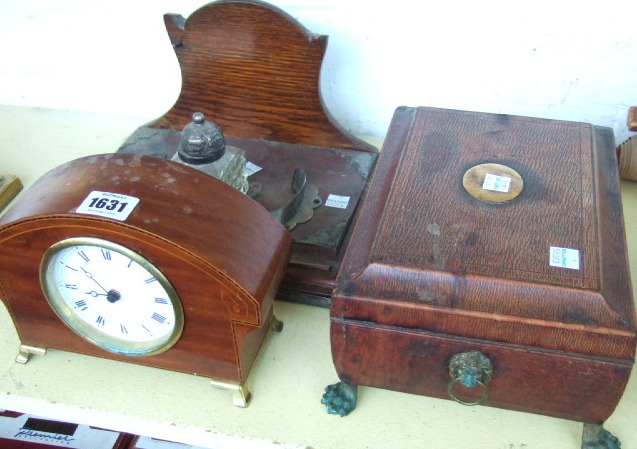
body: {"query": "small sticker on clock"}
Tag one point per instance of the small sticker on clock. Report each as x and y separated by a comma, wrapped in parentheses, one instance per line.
(564, 258)
(338, 201)
(108, 204)
(251, 169)
(496, 183)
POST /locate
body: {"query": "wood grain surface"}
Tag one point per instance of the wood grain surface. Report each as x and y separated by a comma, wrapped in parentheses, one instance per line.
(627, 154)
(632, 118)
(10, 186)
(254, 70)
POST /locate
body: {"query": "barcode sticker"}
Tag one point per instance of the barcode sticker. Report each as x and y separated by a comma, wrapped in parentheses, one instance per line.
(107, 204)
(251, 169)
(564, 258)
(337, 201)
(496, 183)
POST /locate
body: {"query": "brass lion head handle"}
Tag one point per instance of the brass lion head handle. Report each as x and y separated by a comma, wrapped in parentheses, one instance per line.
(473, 370)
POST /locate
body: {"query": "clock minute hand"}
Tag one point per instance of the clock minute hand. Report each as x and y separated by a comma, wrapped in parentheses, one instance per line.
(90, 276)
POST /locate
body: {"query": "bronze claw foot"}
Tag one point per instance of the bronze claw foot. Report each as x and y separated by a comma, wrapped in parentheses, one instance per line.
(340, 398)
(596, 437)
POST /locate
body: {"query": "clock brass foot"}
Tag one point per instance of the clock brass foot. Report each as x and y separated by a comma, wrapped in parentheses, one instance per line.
(241, 396)
(240, 393)
(26, 351)
(596, 437)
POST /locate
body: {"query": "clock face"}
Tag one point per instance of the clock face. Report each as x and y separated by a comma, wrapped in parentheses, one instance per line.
(111, 296)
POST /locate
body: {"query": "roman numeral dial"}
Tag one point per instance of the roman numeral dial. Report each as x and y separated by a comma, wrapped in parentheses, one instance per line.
(112, 296)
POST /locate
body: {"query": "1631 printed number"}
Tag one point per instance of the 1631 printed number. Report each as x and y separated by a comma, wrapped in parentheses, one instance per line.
(104, 203)
(108, 204)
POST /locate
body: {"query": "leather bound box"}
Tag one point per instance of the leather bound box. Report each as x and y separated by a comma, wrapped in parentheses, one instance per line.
(494, 235)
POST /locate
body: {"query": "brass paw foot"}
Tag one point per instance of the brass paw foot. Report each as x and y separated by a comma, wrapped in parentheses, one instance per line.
(340, 398)
(596, 437)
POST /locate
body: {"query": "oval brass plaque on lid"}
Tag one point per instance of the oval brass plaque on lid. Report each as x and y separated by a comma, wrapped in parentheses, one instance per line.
(493, 183)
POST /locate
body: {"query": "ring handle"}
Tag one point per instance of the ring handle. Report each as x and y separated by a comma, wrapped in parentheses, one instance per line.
(471, 369)
(485, 393)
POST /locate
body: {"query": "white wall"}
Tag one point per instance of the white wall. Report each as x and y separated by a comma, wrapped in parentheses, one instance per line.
(554, 59)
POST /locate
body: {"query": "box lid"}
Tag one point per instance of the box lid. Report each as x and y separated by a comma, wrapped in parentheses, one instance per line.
(474, 218)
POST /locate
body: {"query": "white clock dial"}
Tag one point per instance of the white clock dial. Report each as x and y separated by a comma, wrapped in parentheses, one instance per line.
(111, 296)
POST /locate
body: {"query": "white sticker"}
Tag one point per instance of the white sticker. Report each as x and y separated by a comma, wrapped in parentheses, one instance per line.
(496, 183)
(564, 258)
(107, 204)
(251, 169)
(338, 201)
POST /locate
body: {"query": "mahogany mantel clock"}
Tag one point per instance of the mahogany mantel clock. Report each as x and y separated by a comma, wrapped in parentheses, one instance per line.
(143, 260)
(149, 261)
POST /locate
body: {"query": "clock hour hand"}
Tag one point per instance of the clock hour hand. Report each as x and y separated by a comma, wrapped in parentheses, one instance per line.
(94, 294)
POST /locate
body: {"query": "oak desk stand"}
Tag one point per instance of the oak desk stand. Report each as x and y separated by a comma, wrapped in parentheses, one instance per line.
(254, 71)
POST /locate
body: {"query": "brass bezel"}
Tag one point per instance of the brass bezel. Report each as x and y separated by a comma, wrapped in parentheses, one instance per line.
(92, 334)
